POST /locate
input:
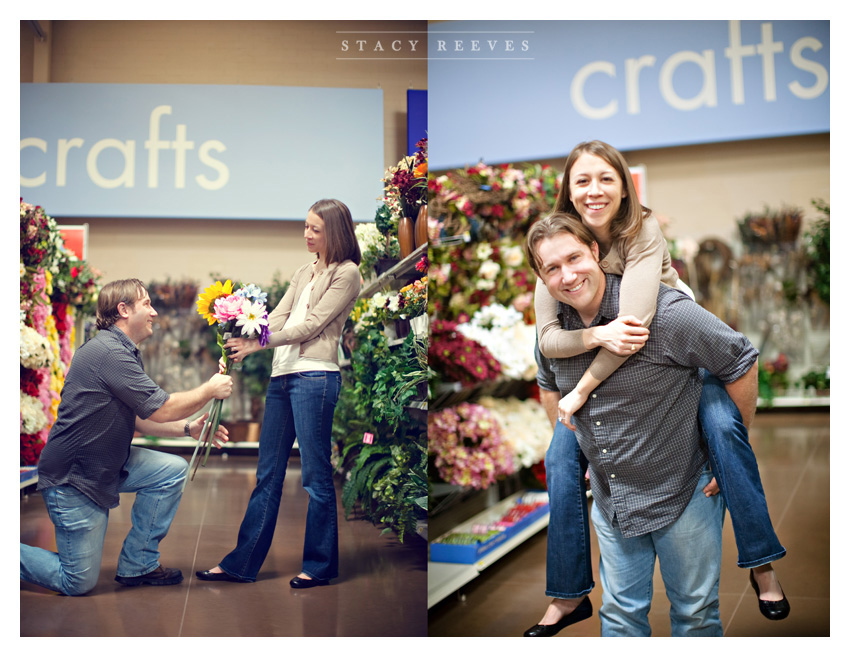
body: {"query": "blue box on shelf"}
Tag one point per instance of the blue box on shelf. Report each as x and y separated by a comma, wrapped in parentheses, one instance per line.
(469, 553)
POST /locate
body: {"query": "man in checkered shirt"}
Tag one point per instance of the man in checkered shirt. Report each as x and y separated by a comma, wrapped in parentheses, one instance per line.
(640, 434)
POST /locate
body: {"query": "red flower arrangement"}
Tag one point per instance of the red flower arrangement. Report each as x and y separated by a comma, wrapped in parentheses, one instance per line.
(458, 358)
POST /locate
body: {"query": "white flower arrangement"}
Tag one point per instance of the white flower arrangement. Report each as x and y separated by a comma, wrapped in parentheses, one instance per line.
(33, 418)
(36, 351)
(369, 237)
(525, 427)
(511, 341)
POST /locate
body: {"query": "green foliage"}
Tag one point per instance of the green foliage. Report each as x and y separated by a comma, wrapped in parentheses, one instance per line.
(817, 252)
(386, 480)
(384, 220)
(815, 379)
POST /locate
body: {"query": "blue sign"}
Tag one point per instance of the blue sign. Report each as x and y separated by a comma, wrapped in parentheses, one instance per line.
(417, 118)
(200, 151)
(510, 91)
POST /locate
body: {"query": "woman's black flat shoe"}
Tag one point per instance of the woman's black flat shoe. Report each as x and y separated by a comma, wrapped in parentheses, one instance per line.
(771, 609)
(580, 613)
(215, 577)
(301, 583)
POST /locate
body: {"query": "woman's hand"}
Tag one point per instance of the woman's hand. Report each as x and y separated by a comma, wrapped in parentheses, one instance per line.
(569, 405)
(238, 348)
(623, 337)
(220, 436)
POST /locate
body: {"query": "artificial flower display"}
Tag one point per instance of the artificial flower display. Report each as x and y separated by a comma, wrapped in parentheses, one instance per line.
(456, 358)
(466, 277)
(55, 288)
(36, 351)
(506, 336)
(375, 245)
(239, 314)
(525, 427)
(487, 203)
(406, 184)
(468, 447)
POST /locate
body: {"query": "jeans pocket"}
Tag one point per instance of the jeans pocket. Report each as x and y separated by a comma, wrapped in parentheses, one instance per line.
(314, 374)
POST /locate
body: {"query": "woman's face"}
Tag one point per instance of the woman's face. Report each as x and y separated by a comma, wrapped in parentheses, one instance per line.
(596, 190)
(314, 234)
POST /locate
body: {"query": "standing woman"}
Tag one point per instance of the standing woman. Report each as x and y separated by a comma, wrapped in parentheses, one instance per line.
(302, 395)
(598, 188)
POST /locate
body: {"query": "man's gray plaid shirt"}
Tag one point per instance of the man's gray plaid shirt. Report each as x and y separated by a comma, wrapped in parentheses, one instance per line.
(639, 428)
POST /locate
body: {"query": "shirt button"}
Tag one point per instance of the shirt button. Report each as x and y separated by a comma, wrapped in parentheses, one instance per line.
(593, 395)
(604, 451)
(598, 423)
(613, 476)
(603, 264)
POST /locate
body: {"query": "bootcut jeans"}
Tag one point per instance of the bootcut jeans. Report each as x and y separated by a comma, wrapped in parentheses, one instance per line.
(80, 526)
(301, 404)
(568, 567)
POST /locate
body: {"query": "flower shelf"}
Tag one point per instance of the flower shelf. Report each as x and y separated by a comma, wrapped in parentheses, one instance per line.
(469, 542)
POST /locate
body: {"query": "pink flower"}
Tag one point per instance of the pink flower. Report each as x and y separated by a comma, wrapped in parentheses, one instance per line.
(228, 308)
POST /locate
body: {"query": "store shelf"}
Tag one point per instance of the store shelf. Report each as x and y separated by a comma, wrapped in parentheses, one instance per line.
(446, 578)
(400, 271)
(29, 476)
(188, 444)
(794, 402)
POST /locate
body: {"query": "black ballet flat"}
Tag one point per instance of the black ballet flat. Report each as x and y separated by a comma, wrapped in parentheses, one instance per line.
(771, 609)
(301, 583)
(216, 577)
(580, 613)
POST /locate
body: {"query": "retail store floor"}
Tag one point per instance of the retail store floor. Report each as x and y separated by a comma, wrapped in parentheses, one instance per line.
(793, 454)
(381, 590)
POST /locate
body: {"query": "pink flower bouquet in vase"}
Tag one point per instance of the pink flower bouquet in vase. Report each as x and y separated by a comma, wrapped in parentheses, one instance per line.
(235, 314)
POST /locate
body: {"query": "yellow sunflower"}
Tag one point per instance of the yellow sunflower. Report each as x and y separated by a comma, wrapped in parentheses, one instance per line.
(206, 301)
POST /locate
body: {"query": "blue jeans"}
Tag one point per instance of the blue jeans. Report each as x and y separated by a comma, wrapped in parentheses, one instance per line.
(734, 464)
(568, 571)
(156, 478)
(300, 404)
(688, 552)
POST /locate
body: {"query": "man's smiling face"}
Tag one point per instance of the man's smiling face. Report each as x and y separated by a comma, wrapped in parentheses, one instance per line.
(570, 270)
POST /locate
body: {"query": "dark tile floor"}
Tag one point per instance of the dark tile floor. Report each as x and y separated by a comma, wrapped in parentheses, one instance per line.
(793, 454)
(381, 590)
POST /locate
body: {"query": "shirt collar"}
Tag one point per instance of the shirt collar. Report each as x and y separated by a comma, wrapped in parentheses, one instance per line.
(609, 309)
(123, 338)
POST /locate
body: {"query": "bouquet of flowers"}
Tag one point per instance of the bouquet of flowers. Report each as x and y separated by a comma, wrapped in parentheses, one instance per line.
(468, 446)
(236, 314)
(413, 298)
(407, 183)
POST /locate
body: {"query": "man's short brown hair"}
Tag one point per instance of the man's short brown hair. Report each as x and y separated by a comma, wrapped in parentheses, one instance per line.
(127, 291)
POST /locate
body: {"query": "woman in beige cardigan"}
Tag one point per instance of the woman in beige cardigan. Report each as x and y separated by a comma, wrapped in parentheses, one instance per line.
(303, 392)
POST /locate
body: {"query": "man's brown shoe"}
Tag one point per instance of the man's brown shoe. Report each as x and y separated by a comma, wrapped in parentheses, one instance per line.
(159, 577)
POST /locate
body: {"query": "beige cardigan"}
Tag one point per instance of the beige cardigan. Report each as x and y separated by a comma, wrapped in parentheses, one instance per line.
(643, 266)
(334, 295)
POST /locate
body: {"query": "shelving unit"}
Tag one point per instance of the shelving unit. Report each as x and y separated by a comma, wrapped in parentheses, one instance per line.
(447, 578)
